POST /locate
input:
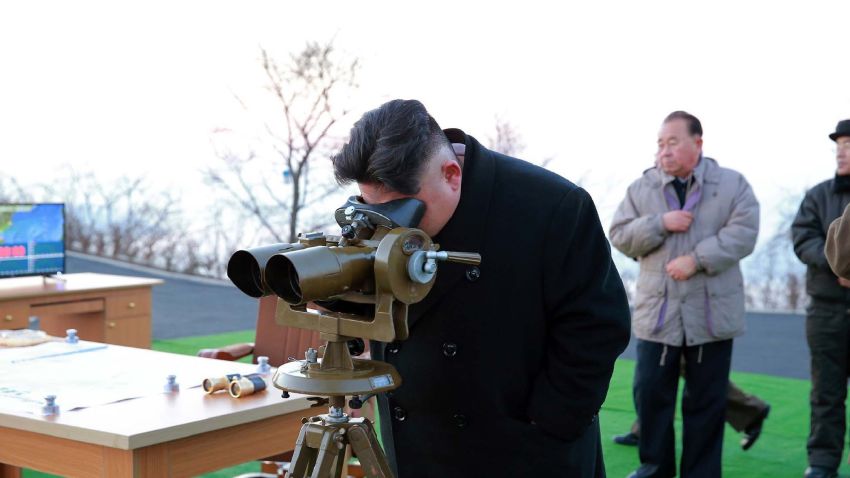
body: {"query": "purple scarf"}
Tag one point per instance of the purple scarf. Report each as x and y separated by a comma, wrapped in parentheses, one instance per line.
(690, 203)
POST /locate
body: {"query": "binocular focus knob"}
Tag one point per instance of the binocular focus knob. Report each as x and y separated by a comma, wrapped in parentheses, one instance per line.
(423, 264)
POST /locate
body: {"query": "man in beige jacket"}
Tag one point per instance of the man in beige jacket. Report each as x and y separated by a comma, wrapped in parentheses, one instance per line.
(689, 222)
(838, 245)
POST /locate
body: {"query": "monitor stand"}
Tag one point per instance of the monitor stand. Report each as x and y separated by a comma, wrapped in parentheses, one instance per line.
(57, 277)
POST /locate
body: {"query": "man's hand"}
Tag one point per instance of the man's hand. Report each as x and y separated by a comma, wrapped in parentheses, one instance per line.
(677, 221)
(844, 282)
(682, 267)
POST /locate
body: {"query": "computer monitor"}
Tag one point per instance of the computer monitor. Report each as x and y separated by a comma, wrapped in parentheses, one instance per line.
(32, 239)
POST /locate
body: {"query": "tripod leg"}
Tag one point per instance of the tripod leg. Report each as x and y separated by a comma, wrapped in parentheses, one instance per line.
(302, 457)
(365, 444)
(329, 456)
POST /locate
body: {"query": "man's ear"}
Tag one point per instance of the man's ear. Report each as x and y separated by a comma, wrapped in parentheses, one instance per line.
(698, 141)
(452, 173)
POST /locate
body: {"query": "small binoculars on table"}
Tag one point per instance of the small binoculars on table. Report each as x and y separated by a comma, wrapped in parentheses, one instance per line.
(237, 386)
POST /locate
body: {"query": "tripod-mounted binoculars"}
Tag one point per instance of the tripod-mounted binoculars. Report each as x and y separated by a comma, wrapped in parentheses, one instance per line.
(359, 285)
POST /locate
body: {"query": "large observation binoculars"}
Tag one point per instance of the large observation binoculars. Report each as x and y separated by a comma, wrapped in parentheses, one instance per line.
(377, 266)
(358, 284)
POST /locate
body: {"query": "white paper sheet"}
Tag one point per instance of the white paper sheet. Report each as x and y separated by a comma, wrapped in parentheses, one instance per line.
(88, 374)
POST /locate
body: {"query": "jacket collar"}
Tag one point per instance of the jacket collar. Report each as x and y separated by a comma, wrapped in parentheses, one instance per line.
(466, 230)
(705, 171)
(841, 184)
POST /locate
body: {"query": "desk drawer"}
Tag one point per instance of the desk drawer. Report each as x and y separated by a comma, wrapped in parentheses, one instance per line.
(14, 315)
(129, 331)
(128, 304)
(68, 308)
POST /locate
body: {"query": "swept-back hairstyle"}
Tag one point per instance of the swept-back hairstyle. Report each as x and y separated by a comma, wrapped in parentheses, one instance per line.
(390, 145)
(694, 126)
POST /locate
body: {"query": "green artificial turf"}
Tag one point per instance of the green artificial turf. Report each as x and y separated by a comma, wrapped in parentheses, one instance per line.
(780, 452)
(191, 345)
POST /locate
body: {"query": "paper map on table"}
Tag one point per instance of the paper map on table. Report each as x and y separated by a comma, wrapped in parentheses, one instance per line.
(88, 374)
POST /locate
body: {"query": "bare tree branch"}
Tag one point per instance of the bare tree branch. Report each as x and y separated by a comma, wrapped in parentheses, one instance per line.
(309, 92)
(507, 139)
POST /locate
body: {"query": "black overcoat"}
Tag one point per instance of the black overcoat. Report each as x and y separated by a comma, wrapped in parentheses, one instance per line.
(508, 363)
(821, 205)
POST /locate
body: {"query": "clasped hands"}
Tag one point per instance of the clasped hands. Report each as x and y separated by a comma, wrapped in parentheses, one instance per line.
(682, 267)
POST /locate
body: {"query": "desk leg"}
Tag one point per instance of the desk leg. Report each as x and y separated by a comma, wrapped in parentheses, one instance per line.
(148, 462)
(9, 471)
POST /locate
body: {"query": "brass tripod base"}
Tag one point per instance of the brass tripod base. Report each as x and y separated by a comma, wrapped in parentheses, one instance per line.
(364, 377)
(320, 449)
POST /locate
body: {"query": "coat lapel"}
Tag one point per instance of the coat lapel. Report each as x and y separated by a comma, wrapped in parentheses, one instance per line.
(465, 231)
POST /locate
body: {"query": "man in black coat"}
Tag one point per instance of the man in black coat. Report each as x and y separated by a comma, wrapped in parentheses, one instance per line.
(828, 314)
(508, 363)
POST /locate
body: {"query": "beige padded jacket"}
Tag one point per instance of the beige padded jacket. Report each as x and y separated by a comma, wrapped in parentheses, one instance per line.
(709, 306)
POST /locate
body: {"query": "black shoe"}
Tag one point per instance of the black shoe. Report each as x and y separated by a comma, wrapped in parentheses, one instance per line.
(643, 472)
(629, 439)
(820, 472)
(753, 432)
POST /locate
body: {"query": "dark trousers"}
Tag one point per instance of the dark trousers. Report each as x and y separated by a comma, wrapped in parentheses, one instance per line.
(656, 385)
(828, 334)
(742, 409)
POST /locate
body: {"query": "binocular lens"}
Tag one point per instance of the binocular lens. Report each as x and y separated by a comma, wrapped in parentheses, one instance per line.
(283, 279)
(246, 268)
(295, 286)
(244, 271)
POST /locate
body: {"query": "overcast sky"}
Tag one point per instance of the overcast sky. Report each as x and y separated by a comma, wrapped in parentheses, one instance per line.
(138, 88)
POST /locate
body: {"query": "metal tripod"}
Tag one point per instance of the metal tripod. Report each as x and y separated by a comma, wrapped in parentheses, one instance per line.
(322, 442)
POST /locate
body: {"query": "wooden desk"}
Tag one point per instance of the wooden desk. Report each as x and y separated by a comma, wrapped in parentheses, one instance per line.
(163, 434)
(103, 308)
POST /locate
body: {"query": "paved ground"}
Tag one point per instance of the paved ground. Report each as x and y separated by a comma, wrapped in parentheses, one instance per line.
(184, 305)
(774, 344)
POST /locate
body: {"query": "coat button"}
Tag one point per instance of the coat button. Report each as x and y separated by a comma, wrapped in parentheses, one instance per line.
(460, 420)
(449, 349)
(393, 347)
(399, 414)
(473, 274)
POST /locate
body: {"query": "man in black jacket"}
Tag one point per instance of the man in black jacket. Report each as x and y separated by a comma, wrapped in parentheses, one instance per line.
(508, 363)
(828, 315)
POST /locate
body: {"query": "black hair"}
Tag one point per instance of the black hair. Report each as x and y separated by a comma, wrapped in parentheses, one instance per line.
(390, 145)
(694, 126)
